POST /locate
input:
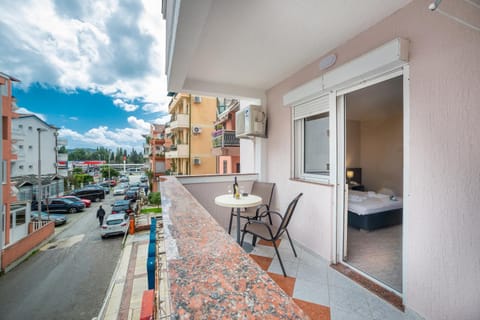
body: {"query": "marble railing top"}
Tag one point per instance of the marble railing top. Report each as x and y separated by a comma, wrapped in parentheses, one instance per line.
(209, 274)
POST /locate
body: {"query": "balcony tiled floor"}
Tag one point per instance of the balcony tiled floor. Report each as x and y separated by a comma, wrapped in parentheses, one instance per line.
(321, 291)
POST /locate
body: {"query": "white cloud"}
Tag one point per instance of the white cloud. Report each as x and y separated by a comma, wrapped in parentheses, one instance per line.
(126, 138)
(125, 105)
(109, 46)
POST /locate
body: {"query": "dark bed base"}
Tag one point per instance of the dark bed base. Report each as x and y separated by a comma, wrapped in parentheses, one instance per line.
(376, 220)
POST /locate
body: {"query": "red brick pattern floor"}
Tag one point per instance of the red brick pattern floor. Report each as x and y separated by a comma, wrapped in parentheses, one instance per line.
(313, 310)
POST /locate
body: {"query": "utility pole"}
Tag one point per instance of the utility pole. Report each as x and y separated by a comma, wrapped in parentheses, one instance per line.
(39, 199)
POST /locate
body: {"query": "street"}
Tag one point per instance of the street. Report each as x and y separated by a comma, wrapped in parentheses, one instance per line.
(67, 278)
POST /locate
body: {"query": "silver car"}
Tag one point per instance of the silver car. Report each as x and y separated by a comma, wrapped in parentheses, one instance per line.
(115, 224)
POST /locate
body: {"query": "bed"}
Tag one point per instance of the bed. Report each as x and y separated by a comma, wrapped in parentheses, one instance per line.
(370, 210)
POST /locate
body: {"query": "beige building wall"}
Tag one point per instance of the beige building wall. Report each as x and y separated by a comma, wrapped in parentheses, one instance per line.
(203, 116)
(193, 137)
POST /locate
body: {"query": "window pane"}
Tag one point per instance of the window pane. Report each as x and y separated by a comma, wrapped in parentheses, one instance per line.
(316, 144)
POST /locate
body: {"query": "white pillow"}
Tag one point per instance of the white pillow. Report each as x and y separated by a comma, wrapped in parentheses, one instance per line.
(387, 191)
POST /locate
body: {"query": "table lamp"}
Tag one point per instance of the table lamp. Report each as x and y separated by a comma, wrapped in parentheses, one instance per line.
(350, 175)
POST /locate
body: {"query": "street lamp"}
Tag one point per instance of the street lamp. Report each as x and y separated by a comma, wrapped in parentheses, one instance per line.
(39, 200)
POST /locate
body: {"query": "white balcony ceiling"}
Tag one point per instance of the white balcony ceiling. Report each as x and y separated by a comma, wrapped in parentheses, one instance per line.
(244, 47)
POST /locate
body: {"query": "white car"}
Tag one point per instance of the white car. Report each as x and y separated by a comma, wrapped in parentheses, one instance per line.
(115, 224)
(120, 190)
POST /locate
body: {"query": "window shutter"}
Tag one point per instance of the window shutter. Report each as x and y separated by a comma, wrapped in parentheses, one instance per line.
(312, 107)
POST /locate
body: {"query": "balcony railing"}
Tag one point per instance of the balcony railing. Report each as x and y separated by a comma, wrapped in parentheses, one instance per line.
(224, 138)
(180, 121)
(177, 151)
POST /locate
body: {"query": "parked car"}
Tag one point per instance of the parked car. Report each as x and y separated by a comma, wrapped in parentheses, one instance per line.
(131, 195)
(104, 185)
(61, 205)
(93, 193)
(86, 202)
(120, 190)
(122, 206)
(115, 224)
(143, 179)
(59, 219)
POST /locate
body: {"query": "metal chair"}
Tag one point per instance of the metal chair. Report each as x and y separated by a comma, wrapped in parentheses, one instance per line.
(265, 191)
(263, 230)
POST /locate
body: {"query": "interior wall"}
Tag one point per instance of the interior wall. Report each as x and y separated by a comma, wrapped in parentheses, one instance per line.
(352, 156)
(382, 154)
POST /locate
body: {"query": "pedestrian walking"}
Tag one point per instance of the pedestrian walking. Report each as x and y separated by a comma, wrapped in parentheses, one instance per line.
(100, 215)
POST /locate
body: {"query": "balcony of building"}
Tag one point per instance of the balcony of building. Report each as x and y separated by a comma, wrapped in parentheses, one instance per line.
(177, 151)
(168, 130)
(224, 142)
(202, 254)
(159, 156)
(180, 121)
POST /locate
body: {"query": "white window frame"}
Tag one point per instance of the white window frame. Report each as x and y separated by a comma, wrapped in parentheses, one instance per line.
(319, 105)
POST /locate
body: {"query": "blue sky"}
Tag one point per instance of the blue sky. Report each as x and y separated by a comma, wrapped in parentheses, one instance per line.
(95, 69)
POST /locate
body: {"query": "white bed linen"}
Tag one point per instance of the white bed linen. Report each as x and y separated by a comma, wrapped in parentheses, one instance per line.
(363, 203)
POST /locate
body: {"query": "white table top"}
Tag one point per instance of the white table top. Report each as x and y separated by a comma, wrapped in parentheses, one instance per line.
(227, 200)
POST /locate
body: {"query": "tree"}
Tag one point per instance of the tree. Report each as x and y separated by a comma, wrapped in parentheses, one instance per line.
(106, 173)
(154, 198)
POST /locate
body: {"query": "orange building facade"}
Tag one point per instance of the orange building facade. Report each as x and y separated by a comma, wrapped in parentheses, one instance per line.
(8, 106)
(225, 145)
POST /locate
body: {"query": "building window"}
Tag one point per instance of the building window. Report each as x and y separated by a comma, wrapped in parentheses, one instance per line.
(4, 171)
(20, 126)
(225, 162)
(30, 128)
(312, 140)
(3, 90)
(4, 128)
(20, 146)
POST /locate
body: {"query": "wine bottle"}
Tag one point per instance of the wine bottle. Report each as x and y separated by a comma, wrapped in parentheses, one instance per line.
(236, 189)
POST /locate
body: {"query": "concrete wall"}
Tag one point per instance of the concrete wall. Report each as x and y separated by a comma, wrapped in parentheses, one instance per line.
(19, 249)
(441, 222)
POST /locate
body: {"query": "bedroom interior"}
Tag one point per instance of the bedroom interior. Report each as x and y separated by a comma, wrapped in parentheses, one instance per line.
(374, 174)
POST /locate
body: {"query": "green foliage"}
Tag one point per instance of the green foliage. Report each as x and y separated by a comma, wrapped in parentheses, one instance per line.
(151, 210)
(105, 172)
(104, 154)
(154, 198)
(79, 179)
(77, 170)
(62, 149)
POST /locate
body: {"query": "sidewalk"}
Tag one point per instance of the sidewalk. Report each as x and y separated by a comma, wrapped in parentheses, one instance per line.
(123, 300)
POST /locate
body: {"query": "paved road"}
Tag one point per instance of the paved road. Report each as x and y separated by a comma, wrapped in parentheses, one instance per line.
(66, 279)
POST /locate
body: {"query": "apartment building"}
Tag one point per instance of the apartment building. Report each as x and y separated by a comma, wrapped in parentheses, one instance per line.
(225, 144)
(190, 130)
(154, 151)
(18, 235)
(30, 134)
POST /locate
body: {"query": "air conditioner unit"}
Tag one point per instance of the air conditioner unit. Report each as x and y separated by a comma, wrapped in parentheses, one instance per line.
(250, 122)
(196, 130)
(197, 99)
(197, 161)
